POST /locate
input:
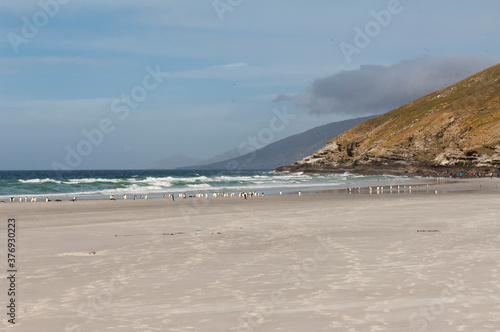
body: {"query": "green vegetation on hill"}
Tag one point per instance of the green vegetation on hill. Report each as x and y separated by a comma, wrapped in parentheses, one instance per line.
(455, 128)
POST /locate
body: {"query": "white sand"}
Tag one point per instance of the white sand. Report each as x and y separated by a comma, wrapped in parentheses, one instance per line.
(321, 262)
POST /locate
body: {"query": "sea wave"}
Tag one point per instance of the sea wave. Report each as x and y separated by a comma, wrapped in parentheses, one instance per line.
(91, 180)
(93, 184)
(38, 181)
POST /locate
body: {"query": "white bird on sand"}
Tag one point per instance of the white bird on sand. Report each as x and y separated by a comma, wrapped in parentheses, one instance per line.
(74, 199)
(12, 199)
(281, 193)
(125, 197)
(112, 197)
(300, 193)
(146, 197)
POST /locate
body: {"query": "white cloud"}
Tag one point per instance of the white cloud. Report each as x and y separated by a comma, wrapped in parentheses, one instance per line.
(60, 60)
(377, 89)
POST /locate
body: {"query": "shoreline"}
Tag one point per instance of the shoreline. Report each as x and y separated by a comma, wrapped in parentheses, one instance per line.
(403, 170)
(418, 185)
(324, 260)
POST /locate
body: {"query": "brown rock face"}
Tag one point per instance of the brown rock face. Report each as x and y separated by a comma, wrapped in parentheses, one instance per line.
(456, 128)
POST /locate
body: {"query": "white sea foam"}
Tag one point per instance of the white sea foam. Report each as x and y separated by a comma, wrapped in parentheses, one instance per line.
(270, 182)
(202, 186)
(32, 181)
(91, 180)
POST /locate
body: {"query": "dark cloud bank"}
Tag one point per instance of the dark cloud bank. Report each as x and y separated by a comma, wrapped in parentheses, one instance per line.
(374, 89)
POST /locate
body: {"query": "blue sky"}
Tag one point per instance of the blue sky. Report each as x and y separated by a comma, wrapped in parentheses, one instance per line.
(66, 66)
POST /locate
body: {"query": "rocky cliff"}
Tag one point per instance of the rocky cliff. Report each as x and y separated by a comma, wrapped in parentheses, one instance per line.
(450, 130)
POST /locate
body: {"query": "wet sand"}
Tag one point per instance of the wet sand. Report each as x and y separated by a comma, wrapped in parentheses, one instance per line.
(325, 261)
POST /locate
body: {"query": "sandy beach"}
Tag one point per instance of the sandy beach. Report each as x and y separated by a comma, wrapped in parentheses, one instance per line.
(325, 261)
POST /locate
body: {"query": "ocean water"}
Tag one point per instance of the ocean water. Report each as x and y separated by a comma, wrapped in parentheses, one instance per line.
(155, 183)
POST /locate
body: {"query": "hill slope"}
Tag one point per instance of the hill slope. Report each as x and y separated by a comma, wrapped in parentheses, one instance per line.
(284, 151)
(173, 162)
(456, 128)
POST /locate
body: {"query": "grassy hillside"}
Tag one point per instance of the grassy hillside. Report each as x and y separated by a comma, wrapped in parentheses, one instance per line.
(456, 127)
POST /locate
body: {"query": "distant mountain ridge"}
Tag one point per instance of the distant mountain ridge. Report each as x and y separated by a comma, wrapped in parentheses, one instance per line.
(284, 151)
(173, 162)
(454, 129)
(180, 160)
